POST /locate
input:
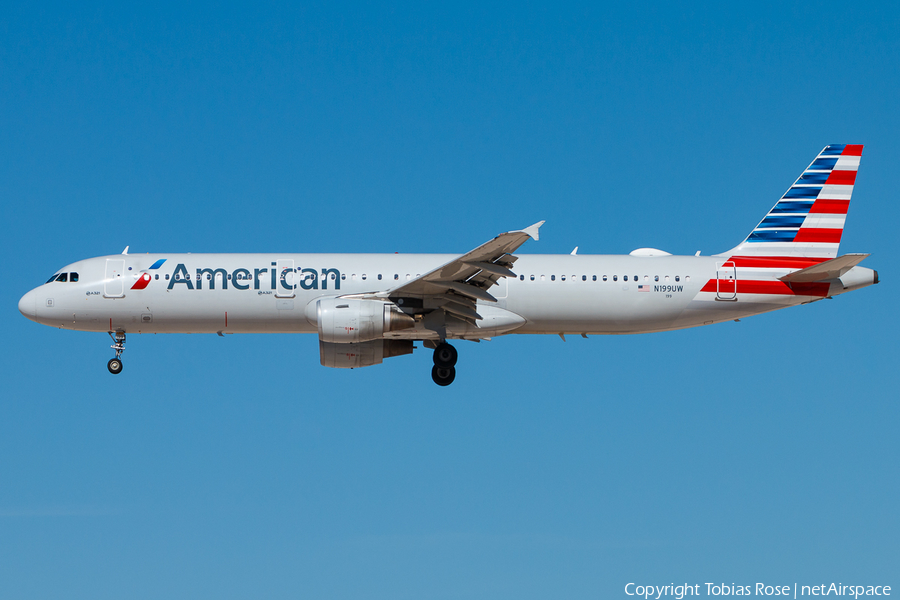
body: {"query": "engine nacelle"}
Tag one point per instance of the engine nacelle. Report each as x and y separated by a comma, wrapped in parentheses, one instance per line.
(350, 320)
(362, 354)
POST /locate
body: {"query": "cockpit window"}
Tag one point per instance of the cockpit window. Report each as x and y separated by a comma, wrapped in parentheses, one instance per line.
(63, 277)
(73, 277)
(55, 275)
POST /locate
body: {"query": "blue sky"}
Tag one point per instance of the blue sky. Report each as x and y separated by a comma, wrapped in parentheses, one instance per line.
(764, 450)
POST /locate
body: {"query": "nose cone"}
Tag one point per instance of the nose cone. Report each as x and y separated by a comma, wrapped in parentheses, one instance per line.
(28, 304)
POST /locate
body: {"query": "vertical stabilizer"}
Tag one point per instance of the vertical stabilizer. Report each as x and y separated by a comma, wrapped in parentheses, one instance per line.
(809, 219)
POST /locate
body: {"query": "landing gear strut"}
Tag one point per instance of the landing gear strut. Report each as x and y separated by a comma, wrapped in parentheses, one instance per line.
(444, 370)
(115, 364)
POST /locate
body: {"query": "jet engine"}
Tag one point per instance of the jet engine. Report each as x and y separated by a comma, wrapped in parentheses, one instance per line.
(350, 320)
(351, 331)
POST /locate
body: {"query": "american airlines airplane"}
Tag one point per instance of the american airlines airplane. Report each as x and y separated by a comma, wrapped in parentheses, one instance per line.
(368, 307)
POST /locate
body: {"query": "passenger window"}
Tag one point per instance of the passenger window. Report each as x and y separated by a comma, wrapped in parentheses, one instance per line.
(167, 276)
(157, 276)
(687, 278)
(552, 277)
(563, 278)
(604, 278)
(677, 278)
(646, 278)
(624, 277)
(542, 278)
(208, 277)
(532, 277)
(667, 277)
(521, 278)
(343, 277)
(363, 276)
(635, 277)
(63, 277)
(396, 276)
(73, 277)
(332, 276)
(408, 276)
(584, 277)
(379, 277)
(656, 278)
(615, 277)
(595, 278)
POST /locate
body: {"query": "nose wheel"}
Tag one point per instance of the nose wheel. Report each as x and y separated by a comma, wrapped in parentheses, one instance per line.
(115, 364)
(444, 371)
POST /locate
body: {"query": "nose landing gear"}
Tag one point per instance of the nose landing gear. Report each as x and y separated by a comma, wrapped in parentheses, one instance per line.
(444, 371)
(115, 364)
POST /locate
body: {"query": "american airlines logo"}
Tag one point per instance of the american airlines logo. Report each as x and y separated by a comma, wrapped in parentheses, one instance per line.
(145, 278)
(256, 278)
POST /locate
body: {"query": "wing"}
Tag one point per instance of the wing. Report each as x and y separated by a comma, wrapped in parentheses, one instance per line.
(456, 285)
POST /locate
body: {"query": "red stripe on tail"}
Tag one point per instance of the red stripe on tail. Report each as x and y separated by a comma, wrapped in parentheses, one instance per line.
(812, 234)
(770, 287)
(776, 262)
(841, 178)
(830, 207)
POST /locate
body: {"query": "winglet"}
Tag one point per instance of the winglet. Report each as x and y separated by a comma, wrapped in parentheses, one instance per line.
(533, 230)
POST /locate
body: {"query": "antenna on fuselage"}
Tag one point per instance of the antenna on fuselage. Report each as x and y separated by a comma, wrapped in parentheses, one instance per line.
(125, 251)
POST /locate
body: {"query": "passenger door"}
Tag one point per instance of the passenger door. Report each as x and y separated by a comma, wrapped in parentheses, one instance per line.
(726, 281)
(114, 282)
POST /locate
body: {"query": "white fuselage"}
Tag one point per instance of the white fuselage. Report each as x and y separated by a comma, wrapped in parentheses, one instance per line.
(272, 293)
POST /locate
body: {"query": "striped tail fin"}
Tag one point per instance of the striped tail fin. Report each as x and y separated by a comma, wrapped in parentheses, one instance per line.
(809, 219)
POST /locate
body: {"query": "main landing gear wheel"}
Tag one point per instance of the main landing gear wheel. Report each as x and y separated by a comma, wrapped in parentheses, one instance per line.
(445, 355)
(444, 371)
(115, 364)
(443, 375)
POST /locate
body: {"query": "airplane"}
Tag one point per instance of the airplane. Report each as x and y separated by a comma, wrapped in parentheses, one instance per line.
(369, 307)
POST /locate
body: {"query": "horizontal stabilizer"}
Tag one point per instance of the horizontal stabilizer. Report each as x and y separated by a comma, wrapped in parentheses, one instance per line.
(830, 269)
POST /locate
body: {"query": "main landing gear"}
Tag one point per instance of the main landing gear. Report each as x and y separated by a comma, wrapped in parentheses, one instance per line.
(444, 370)
(115, 364)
